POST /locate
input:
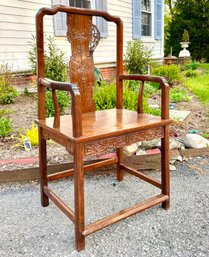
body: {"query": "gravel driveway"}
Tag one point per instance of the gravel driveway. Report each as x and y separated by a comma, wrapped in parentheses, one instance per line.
(27, 229)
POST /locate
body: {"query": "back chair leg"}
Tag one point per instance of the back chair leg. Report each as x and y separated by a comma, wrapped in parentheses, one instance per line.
(165, 169)
(120, 172)
(79, 197)
(43, 168)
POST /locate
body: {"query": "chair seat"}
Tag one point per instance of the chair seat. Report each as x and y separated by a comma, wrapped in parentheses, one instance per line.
(106, 123)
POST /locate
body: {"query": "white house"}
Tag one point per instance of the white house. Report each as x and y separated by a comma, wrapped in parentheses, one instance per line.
(143, 19)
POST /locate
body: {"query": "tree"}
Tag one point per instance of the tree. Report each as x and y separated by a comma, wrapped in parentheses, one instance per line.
(170, 4)
(192, 15)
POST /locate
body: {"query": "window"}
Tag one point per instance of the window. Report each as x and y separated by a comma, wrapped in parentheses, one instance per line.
(146, 18)
(101, 22)
(147, 13)
(80, 3)
(59, 19)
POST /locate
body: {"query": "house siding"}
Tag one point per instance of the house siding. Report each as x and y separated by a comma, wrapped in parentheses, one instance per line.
(17, 25)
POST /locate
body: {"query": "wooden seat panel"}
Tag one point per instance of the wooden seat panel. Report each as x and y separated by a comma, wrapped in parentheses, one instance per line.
(106, 123)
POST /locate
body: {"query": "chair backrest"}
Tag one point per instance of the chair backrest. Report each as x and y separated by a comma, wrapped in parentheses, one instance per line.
(81, 66)
(84, 37)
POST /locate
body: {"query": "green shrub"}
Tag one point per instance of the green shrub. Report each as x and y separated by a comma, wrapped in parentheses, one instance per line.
(5, 127)
(190, 73)
(137, 57)
(55, 67)
(150, 89)
(178, 95)
(130, 99)
(105, 98)
(171, 72)
(63, 100)
(192, 66)
(32, 54)
(134, 85)
(7, 92)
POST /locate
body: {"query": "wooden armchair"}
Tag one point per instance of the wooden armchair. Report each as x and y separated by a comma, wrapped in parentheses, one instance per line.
(88, 132)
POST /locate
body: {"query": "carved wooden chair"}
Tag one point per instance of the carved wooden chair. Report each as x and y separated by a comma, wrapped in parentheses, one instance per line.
(88, 132)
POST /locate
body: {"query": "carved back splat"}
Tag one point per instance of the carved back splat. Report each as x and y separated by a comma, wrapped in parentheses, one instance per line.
(81, 62)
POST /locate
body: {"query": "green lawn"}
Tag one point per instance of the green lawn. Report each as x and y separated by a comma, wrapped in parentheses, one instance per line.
(200, 85)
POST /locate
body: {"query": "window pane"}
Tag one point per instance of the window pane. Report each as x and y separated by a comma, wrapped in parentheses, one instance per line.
(146, 24)
(72, 2)
(80, 3)
(146, 5)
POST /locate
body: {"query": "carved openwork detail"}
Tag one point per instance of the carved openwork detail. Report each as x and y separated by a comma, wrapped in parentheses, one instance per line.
(95, 38)
(101, 146)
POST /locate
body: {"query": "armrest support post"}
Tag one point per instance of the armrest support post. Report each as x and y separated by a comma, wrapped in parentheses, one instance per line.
(164, 87)
(76, 102)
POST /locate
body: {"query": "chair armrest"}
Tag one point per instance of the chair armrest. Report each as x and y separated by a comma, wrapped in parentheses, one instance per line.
(164, 87)
(76, 102)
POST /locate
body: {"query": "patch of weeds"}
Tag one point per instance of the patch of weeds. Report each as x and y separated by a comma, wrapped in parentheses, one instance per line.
(5, 127)
(199, 85)
(30, 134)
(179, 95)
(26, 92)
(205, 135)
(4, 112)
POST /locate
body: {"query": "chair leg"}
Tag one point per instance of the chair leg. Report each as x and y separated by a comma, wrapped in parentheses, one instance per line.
(79, 196)
(43, 168)
(165, 169)
(120, 173)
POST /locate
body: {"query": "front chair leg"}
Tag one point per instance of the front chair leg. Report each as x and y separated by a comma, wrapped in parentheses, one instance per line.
(120, 172)
(165, 169)
(43, 168)
(79, 196)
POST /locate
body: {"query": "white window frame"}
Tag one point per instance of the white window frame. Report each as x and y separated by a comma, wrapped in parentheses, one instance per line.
(60, 27)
